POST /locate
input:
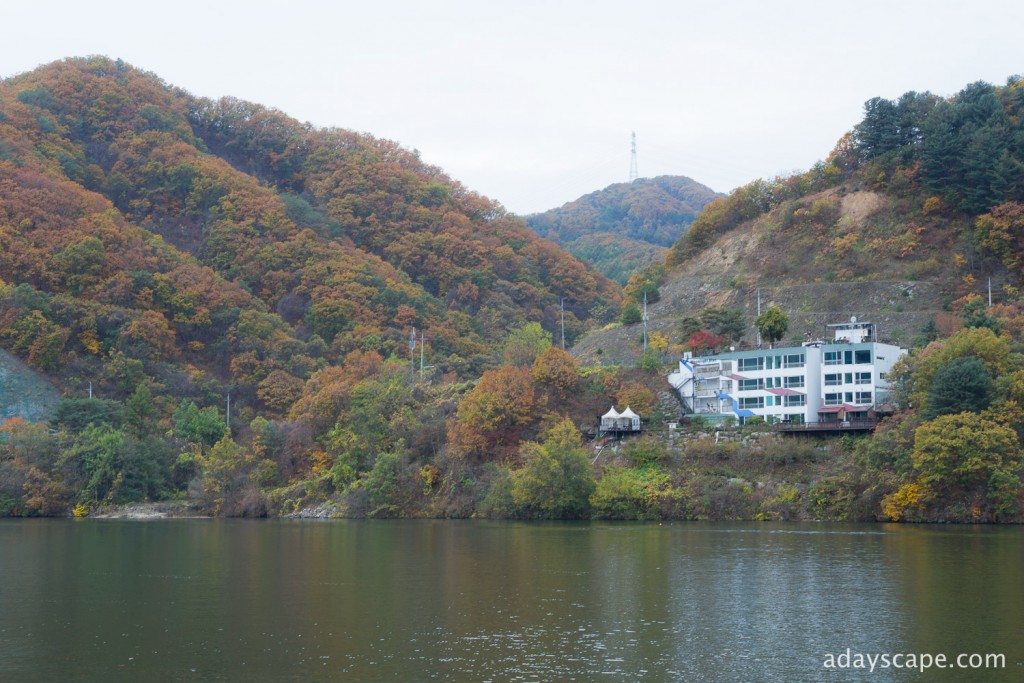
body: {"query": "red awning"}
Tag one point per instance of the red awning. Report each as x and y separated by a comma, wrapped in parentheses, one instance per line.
(785, 392)
(839, 409)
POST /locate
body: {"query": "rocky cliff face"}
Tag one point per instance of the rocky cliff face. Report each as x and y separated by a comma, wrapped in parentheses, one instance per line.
(24, 393)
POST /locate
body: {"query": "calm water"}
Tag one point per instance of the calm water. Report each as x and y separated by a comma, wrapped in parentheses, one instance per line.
(201, 600)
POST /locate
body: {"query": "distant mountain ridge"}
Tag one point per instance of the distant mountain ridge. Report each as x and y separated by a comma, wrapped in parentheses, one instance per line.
(625, 226)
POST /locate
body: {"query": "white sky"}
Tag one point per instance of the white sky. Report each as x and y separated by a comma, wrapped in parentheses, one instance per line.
(532, 102)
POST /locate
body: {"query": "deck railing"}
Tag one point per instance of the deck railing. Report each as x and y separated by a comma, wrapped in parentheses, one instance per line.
(826, 426)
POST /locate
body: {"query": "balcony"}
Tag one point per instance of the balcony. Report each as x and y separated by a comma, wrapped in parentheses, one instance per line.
(826, 426)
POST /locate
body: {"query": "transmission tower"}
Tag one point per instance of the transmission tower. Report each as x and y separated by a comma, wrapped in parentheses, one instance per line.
(632, 160)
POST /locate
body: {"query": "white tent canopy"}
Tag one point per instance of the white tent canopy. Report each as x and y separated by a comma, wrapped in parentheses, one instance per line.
(609, 419)
(626, 421)
(629, 420)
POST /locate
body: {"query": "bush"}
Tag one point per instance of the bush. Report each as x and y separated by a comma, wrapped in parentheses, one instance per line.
(557, 481)
(498, 503)
(75, 414)
(621, 494)
(642, 452)
(631, 315)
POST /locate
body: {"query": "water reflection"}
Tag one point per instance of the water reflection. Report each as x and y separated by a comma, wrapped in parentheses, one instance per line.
(427, 600)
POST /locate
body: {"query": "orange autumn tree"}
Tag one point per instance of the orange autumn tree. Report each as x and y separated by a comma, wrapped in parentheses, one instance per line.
(492, 417)
(638, 397)
(556, 369)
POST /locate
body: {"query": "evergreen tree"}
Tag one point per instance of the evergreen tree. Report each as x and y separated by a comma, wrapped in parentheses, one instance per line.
(960, 386)
(878, 133)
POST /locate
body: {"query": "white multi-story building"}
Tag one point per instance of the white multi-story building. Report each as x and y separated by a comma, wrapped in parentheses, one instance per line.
(821, 381)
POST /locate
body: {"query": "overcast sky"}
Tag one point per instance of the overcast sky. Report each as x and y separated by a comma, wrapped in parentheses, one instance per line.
(532, 103)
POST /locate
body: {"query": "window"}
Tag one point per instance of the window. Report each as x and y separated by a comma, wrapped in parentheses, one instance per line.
(862, 357)
(833, 357)
(833, 399)
(795, 382)
(849, 397)
(833, 380)
(863, 397)
(794, 360)
(750, 385)
(862, 378)
(750, 364)
(752, 403)
(848, 357)
(795, 401)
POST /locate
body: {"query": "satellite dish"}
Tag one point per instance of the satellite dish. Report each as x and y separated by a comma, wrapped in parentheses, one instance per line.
(853, 318)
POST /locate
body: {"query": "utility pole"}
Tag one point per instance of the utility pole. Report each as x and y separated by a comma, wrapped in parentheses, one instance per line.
(228, 419)
(412, 356)
(758, 315)
(90, 390)
(632, 160)
(990, 292)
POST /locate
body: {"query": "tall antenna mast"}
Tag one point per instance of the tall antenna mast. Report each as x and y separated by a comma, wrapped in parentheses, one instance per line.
(632, 160)
(423, 345)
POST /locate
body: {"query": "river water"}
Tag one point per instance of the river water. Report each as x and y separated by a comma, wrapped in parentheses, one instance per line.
(225, 600)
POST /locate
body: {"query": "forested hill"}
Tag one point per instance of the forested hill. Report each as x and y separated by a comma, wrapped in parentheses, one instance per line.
(147, 233)
(623, 227)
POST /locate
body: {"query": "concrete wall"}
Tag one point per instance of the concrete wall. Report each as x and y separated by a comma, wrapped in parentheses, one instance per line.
(23, 392)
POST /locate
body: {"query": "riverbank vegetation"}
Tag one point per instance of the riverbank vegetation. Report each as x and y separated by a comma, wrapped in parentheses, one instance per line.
(365, 441)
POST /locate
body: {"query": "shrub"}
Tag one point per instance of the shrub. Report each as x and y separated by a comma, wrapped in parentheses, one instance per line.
(621, 494)
(642, 452)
